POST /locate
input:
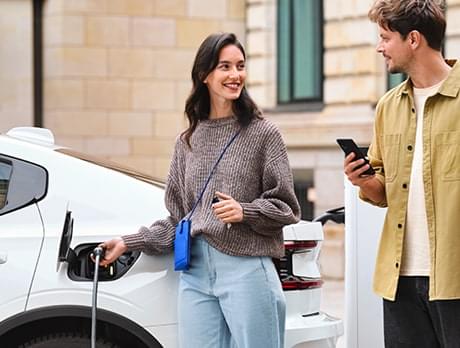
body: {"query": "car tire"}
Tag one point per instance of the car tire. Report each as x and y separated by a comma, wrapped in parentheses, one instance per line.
(67, 340)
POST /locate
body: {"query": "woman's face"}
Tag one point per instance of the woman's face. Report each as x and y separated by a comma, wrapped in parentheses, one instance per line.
(396, 51)
(226, 81)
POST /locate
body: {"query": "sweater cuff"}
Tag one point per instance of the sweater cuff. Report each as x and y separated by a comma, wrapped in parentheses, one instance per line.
(136, 241)
(250, 211)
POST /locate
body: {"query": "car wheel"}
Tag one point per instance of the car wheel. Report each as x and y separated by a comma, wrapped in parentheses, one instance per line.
(67, 340)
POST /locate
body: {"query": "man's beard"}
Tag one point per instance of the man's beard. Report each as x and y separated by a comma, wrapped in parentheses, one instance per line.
(396, 70)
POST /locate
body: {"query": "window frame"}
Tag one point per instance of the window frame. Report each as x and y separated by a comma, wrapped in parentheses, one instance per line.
(293, 103)
(21, 173)
(5, 182)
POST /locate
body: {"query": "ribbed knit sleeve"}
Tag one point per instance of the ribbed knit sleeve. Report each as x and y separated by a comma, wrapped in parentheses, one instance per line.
(254, 171)
(159, 237)
(277, 206)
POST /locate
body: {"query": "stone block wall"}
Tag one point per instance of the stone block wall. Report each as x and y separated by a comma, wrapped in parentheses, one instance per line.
(117, 72)
(16, 94)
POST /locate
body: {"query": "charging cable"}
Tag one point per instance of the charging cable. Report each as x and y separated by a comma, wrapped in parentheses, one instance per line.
(98, 252)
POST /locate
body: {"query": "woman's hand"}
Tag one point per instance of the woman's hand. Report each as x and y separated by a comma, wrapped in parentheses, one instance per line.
(227, 209)
(113, 248)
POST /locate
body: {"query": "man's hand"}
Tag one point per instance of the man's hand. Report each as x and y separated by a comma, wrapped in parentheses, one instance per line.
(227, 209)
(354, 172)
(369, 185)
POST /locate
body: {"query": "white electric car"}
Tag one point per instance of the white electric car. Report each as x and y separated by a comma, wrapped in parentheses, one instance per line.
(56, 205)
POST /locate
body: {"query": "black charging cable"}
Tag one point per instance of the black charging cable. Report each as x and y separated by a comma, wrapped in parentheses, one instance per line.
(98, 252)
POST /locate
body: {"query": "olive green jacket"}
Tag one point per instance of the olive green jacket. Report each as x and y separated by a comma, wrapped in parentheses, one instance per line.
(391, 154)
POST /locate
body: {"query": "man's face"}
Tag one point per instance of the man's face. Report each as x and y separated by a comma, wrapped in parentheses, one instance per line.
(395, 50)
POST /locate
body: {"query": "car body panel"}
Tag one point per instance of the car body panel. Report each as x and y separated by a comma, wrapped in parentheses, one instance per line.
(317, 331)
(305, 264)
(105, 203)
(21, 247)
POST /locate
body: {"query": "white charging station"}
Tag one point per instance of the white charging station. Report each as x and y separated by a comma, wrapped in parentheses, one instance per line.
(363, 308)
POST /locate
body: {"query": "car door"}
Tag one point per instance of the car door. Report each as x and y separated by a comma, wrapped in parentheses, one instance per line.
(22, 185)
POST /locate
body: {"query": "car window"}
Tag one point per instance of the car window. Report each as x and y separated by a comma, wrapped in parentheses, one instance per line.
(5, 174)
(21, 183)
(114, 166)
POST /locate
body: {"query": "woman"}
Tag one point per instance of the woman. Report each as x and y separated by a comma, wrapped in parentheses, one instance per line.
(231, 295)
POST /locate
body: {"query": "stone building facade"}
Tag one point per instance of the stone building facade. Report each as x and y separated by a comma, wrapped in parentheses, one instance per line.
(15, 64)
(116, 74)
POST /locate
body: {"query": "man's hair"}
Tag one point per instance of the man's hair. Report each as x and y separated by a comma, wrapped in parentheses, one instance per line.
(403, 16)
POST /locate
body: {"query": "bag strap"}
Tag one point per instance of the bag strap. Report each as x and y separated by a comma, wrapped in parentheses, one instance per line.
(211, 173)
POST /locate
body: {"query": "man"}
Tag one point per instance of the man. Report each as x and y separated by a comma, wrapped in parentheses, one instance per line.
(416, 155)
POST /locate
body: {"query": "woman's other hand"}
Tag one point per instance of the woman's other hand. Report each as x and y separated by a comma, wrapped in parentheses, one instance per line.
(227, 209)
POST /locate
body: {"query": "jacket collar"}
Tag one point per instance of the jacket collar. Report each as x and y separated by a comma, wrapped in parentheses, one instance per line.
(449, 88)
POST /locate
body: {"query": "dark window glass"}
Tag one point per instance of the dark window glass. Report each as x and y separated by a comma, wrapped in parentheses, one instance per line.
(5, 175)
(302, 191)
(26, 184)
(300, 51)
(395, 79)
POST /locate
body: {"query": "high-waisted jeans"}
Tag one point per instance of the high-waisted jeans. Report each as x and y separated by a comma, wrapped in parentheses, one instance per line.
(230, 301)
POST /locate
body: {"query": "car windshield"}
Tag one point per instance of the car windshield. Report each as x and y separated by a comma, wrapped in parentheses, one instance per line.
(114, 166)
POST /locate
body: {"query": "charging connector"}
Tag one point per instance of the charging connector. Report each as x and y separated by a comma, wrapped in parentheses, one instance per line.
(98, 252)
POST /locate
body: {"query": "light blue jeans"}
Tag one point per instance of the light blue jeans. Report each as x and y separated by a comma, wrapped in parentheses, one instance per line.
(230, 301)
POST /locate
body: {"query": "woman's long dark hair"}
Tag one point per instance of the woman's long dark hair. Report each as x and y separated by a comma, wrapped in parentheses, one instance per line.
(197, 106)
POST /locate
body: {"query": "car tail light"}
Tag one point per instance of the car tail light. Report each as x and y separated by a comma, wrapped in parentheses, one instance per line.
(299, 283)
(298, 245)
(284, 266)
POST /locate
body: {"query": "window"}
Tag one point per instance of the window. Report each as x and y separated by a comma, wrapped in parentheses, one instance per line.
(5, 175)
(21, 184)
(395, 79)
(300, 51)
(304, 192)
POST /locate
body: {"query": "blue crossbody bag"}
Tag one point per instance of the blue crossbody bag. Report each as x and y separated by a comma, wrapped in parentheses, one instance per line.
(183, 238)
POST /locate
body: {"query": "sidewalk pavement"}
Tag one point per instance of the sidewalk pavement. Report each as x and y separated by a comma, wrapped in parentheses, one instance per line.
(332, 302)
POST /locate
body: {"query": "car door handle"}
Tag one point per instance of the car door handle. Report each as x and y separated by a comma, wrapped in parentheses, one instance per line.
(3, 257)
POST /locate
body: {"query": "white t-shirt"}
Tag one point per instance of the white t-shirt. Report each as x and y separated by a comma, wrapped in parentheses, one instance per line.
(416, 249)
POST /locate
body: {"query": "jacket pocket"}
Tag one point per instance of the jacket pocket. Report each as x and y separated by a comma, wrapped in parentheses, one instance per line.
(391, 144)
(448, 148)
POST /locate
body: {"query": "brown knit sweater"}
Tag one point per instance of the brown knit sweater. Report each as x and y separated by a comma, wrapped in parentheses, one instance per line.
(254, 171)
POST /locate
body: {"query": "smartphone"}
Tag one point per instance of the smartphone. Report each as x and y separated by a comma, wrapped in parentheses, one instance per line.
(348, 146)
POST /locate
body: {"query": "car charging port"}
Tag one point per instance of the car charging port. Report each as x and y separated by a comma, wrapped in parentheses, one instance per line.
(82, 266)
(105, 272)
